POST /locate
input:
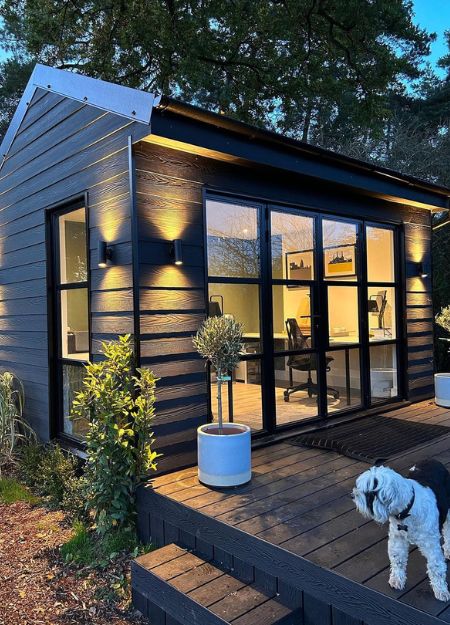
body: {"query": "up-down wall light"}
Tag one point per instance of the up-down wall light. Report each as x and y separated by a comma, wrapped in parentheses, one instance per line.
(176, 251)
(104, 256)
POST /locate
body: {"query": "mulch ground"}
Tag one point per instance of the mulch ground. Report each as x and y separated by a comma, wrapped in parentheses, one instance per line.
(38, 588)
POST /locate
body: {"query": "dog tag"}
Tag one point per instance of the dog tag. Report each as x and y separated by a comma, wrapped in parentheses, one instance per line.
(402, 528)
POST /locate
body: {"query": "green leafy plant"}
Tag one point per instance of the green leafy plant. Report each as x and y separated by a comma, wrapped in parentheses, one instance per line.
(117, 401)
(13, 427)
(55, 475)
(443, 318)
(219, 341)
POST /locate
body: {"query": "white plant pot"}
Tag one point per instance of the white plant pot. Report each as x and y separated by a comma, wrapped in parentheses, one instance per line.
(224, 459)
(442, 389)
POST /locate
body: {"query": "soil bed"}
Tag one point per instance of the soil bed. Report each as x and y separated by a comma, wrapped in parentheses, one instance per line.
(38, 588)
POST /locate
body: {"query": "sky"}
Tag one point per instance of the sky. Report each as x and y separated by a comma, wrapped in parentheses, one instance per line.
(434, 15)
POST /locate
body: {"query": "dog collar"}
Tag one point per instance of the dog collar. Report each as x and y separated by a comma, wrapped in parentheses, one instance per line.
(401, 516)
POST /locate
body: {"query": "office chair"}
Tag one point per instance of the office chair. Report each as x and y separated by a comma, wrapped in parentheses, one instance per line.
(303, 362)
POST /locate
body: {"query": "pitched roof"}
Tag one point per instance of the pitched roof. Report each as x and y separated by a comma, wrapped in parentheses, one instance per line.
(138, 106)
(132, 103)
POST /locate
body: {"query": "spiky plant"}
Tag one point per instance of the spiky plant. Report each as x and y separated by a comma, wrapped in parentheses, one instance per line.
(219, 341)
(443, 318)
(13, 427)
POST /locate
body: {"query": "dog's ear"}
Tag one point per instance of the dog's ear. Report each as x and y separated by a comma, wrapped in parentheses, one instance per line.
(379, 462)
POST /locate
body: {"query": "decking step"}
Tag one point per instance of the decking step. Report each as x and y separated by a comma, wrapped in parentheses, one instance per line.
(182, 588)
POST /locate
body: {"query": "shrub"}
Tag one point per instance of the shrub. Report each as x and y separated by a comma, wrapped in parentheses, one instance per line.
(87, 548)
(443, 318)
(53, 474)
(13, 427)
(117, 400)
(219, 341)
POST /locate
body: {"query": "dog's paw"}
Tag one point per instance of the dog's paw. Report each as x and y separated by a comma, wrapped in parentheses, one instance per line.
(442, 595)
(397, 582)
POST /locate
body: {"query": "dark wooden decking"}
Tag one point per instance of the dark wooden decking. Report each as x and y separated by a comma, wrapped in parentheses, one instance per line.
(296, 514)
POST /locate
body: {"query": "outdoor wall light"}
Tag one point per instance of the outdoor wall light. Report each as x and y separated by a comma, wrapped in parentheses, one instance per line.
(104, 256)
(422, 270)
(177, 251)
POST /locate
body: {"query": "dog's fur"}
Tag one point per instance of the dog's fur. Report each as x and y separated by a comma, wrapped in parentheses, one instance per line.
(383, 495)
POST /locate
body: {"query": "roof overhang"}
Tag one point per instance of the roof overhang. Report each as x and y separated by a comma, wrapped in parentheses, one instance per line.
(131, 103)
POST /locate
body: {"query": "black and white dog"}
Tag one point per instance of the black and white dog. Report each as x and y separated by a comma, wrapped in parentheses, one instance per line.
(417, 508)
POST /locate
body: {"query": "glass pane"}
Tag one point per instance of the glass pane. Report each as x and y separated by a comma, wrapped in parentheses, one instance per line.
(343, 314)
(73, 376)
(72, 246)
(74, 324)
(241, 302)
(295, 388)
(292, 240)
(233, 240)
(383, 372)
(292, 317)
(247, 395)
(380, 254)
(343, 379)
(381, 304)
(339, 250)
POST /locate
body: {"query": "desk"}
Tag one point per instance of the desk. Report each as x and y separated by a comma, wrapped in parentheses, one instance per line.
(348, 341)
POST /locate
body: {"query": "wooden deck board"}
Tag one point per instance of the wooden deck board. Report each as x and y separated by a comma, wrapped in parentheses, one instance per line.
(299, 500)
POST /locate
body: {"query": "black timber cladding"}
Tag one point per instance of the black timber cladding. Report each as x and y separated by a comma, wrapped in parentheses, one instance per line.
(62, 148)
(65, 148)
(169, 192)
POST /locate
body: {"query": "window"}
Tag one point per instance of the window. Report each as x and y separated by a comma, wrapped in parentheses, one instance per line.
(234, 289)
(71, 301)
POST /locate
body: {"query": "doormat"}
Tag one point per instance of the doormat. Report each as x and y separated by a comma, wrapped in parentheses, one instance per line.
(373, 439)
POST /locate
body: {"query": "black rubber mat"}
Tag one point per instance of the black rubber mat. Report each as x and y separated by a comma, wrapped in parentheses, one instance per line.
(372, 439)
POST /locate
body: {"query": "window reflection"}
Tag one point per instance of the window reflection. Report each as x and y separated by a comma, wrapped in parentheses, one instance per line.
(292, 243)
(233, 240)
(340, 250)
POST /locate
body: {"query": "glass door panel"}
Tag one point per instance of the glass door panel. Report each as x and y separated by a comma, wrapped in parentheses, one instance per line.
(239, 301)
(343, 315)
(383, 372)
(382, 318)
(380, 254)
(343, 379)
(233, 240)
(296, 390)
(292, 246)
(292, 304)
(340, 258)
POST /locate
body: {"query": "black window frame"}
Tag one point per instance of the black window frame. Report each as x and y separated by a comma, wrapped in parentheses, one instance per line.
(54, 290)
(266, 281)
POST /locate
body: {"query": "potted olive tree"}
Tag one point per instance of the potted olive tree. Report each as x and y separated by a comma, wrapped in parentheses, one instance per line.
(224, 449)
(442, 380)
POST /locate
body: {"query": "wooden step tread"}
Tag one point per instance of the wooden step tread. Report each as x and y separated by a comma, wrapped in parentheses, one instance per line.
(191, 590)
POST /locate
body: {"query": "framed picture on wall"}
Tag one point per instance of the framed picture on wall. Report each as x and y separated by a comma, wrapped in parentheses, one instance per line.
(299, 266)
(340, 261)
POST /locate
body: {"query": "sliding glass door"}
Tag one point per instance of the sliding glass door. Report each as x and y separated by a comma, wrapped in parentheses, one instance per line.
(318, 300)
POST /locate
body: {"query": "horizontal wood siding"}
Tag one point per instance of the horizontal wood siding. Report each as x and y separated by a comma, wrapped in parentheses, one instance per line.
(169, 186)
(172, 299)
(63, 148)
(419, 308)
